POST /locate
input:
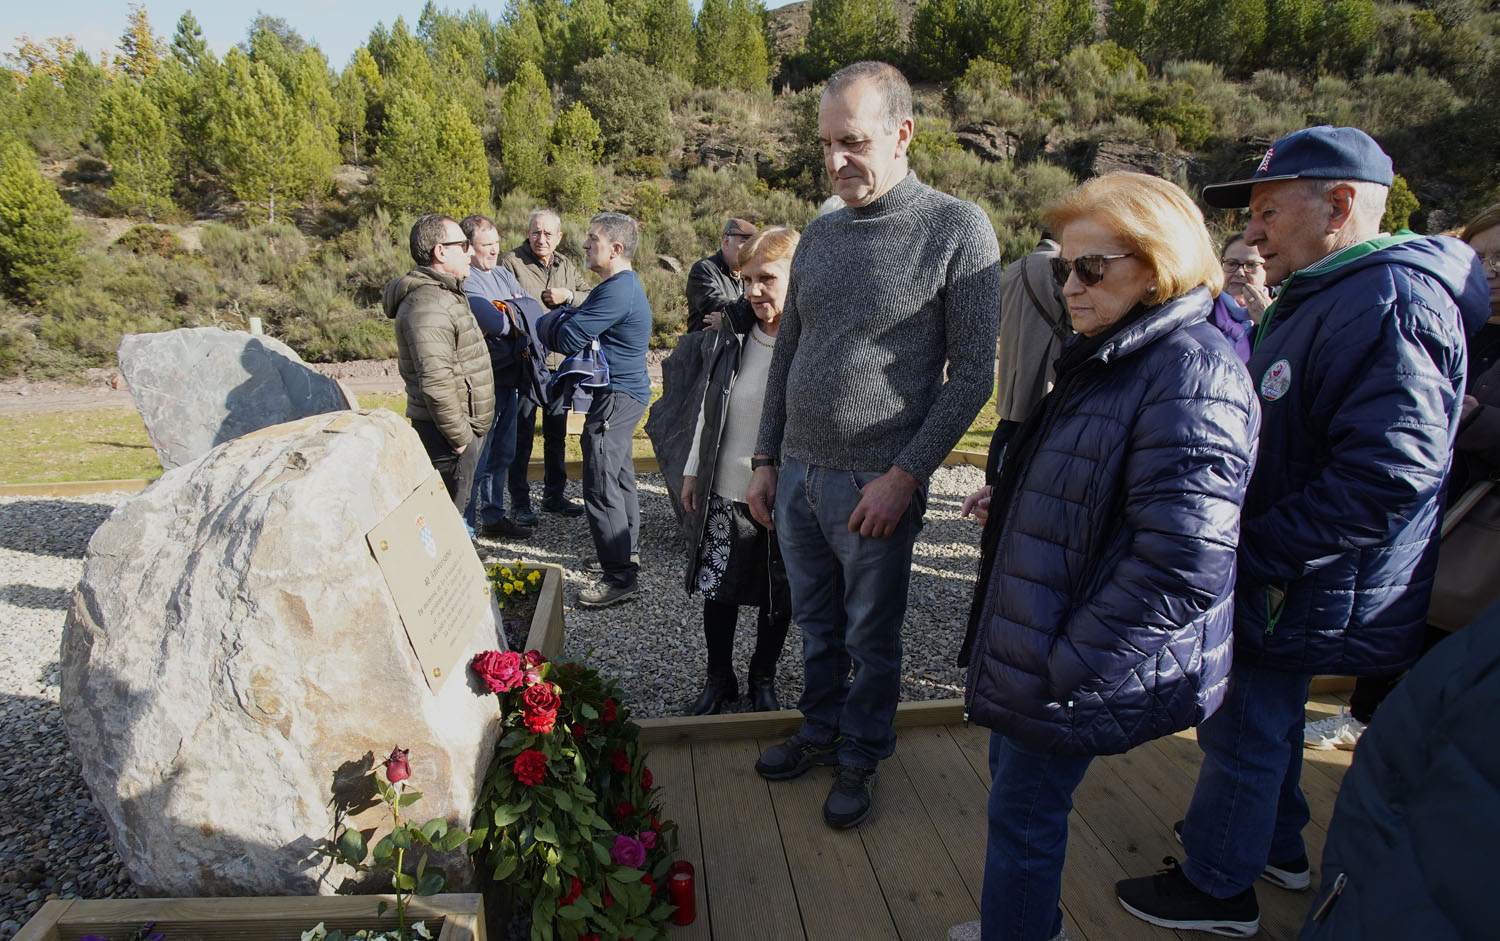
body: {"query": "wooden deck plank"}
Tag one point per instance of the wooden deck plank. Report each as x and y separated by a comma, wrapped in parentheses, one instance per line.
(672, 769)
(922, 887)
(744, 865)
(954, 797)
(837, 891)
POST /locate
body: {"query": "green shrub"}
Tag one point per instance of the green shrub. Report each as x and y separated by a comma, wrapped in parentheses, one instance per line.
(150, 240)
(1174, 106)
(1400, 203)
(629, 101)
(264, 254)
(37, 235)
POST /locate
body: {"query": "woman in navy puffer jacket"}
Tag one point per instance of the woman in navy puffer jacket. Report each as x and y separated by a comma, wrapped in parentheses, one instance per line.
(1103, 614)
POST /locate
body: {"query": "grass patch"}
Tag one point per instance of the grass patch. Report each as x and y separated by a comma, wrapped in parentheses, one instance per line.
(111, 443)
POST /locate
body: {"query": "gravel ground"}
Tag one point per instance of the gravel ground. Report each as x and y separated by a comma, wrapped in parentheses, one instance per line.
(53, 842)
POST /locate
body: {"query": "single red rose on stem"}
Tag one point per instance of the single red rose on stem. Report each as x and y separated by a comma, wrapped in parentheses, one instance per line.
(624, 809)
(539, 708)
(578, 730)
(535, 658)
(530, 767)
(397, 768)
(620, 760)
(575, 889)
(646, 778)
(647, 838)
(610, 710)
(500, 672)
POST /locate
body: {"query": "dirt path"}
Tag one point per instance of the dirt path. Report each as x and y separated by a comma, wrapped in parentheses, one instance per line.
(105, 388)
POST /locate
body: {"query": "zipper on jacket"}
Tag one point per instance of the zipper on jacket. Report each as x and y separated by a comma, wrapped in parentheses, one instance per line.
(1275, 610)
(1327, 903)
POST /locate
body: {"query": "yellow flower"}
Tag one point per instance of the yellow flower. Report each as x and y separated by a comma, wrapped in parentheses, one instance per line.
(533, 577)
(520, 585)
(505, 572)
(507, 588)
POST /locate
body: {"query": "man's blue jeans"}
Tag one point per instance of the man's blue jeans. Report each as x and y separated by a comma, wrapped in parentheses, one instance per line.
(487, 504)
(849, 598)
(1030, 800)
(1248, 807)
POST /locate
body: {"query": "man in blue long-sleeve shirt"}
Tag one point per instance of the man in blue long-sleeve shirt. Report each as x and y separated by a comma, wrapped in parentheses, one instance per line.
(486, 284)
(617, 314)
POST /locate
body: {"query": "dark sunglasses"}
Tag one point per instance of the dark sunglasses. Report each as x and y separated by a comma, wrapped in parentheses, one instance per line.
(463, 242)
(1090, 268)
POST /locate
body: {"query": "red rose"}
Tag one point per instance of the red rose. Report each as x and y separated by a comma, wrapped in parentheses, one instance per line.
(646, 778)
(624, 809)
(530, 767)
(609, 710)
(575, 889)
(620, 760)
(578, 730)
(396, 767)
(649, 883)
(500, 672)
(535, 658)
(655, 825)
(588, 937)
(540, 704)
(647, 838)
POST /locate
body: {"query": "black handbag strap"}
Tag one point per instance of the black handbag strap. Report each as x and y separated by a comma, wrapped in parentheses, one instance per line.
(1061, 332)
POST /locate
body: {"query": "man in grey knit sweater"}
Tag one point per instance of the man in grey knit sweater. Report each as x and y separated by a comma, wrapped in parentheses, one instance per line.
(886, 354)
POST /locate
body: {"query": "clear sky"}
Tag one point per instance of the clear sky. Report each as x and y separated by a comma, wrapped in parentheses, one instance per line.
(337, 26)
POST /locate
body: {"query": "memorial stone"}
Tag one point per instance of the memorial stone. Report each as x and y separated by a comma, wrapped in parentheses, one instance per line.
(234, 650)
(201, 386)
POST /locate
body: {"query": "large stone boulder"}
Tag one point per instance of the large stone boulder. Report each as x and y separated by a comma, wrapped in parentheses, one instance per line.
(234, 656)
(201, 386)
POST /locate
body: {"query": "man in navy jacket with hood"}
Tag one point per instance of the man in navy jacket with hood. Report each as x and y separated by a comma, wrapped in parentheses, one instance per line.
(1359, 366)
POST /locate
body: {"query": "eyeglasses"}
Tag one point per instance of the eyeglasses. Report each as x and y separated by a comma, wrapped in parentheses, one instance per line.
(462, 242)
(1491, 261)
(1249, 267)
(741, 236)
(1090, 268)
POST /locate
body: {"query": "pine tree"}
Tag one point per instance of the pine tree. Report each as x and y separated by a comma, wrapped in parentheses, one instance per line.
(577, 146)
(841, 32)
(38, 241)
(357, 89)
(138, 147)
(732, 44)
(273, 153)
(140, 49)
(658, 33)
(524, 128)
(518, 39)
(188, 46)
(590, 32)
(431, 159)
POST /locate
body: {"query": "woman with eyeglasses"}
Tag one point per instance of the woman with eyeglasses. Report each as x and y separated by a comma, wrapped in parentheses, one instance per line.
(1245, 276)
(1103, 612)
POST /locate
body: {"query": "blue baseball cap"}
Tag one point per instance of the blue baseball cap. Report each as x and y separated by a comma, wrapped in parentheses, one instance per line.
(1316, 153)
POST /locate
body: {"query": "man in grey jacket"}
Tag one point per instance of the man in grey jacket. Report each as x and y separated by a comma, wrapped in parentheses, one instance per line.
(450, 391)
(885, 355)
(552, 278)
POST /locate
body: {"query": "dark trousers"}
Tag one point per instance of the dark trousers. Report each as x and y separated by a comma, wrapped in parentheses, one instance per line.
(554, 444)
(719, 623)
(487, 502)
(457, 469)
(609, 496)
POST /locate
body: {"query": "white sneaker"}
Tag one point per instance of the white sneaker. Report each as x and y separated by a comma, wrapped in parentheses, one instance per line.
(1341, 731)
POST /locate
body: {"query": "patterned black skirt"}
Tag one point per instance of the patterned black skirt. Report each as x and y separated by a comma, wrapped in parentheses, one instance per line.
(734, 559)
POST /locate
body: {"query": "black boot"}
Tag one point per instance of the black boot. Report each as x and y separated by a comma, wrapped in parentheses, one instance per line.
(721, 688)
(763, 693)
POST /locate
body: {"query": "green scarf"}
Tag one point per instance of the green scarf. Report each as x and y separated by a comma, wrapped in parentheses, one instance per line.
(1336, 260)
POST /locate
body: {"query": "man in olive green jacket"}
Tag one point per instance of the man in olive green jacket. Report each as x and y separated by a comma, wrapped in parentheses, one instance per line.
(553, 279)
(450, 390)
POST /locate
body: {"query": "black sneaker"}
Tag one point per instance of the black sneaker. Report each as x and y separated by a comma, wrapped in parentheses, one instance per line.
(795, 755)
(524, 516)
(505, 528)
(562, 506)
(1169, 900)
(603, 593)
(849, 800)
(1294, 875)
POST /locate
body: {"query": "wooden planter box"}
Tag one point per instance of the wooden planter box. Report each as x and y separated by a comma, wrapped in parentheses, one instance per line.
(452, 917)
(546, 631)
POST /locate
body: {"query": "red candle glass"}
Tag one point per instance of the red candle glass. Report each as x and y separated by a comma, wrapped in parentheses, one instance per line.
(681, 891)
